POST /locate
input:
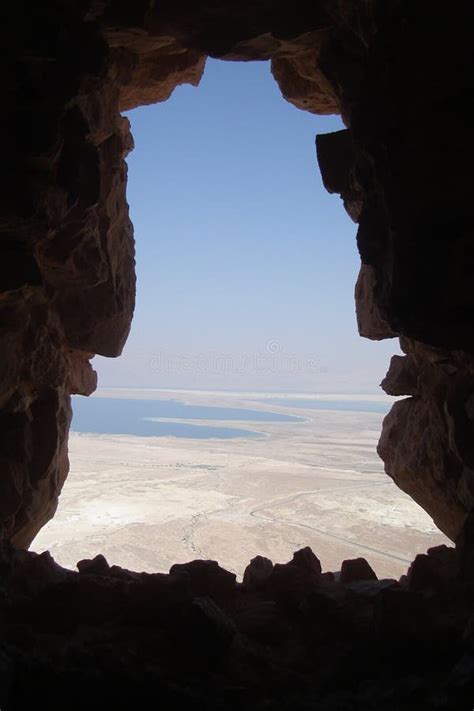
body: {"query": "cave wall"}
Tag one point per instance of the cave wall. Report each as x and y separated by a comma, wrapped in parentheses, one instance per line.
(405, 176)
(67, 268)
(399, 73)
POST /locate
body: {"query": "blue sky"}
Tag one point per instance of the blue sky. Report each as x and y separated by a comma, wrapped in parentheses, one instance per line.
(246, 266)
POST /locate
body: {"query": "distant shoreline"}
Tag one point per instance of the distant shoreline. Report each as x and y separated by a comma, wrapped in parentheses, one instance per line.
(148, 393)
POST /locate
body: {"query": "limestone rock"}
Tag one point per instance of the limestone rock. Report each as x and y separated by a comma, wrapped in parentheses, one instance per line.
(303, 84)
(370, 322)
(157, 73)
(401, 378)
(427, 440)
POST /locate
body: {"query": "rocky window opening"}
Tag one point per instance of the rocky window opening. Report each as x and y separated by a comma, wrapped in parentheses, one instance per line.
(204, 435)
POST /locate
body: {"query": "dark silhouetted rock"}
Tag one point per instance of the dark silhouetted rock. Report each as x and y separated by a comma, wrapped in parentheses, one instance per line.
(465, 549)
(208, 579)
(96, 566)
(306, 560)
(209, 631)
(261, 620)
(290, 584)
(356, 569)
(257, 572)
(336, 160)
(435, 571)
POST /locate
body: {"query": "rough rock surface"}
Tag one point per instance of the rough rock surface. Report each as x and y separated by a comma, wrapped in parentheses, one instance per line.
(404, 174)
(66, 247)
(427, 441)
(111, 638)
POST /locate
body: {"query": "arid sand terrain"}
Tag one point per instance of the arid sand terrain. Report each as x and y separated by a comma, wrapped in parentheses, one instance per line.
(148, 502)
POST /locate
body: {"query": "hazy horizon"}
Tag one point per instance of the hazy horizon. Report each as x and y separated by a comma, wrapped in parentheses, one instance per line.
(246, 266)
(120, 389)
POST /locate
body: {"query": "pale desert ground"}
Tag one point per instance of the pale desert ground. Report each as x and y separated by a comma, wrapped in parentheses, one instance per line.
(148, 502)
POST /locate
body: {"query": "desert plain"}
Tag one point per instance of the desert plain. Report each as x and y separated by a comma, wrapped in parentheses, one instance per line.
(148, 502)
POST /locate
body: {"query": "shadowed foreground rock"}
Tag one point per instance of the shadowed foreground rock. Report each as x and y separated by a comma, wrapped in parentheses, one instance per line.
(111, 638)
